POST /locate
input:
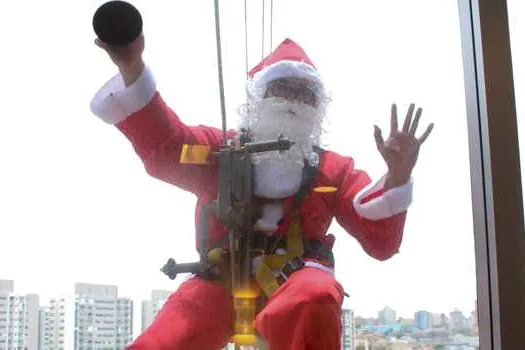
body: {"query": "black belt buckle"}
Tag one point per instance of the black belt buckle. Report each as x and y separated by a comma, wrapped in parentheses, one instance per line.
(291, 266)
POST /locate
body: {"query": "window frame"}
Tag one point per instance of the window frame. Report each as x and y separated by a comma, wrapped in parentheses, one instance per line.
(495, 173)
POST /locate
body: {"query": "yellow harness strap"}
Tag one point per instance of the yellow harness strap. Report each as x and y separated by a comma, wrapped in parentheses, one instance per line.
(264, 274)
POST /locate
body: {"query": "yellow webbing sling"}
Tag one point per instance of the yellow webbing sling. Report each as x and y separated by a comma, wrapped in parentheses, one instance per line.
(268, 263)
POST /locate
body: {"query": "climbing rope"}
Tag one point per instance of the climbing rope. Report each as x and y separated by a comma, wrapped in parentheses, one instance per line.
(219, 52)
(271, 25)
(263, 31)
(219, 67)
(263, 25)
(246, 36)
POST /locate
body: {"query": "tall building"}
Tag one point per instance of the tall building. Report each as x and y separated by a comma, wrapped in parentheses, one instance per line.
(438, 320)
(347, 341)
(44, 328)
(18, 318)
(57, 324)
(152, 306)
(387, 316)
(423, 319)
(102, 319)
(457, 321)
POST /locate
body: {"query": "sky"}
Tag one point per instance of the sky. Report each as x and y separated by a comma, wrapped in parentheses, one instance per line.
(77, 205)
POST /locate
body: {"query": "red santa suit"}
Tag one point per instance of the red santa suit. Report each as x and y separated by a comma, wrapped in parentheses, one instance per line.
(305, 312)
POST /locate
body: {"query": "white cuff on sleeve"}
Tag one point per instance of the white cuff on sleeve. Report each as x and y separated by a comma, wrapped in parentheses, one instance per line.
(113, 103)
(392, 202)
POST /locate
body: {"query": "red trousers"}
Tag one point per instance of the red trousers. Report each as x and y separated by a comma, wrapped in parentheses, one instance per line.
(303, 314)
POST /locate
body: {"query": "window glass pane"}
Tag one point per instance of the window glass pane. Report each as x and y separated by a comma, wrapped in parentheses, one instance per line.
(516, 10)
(75, 196)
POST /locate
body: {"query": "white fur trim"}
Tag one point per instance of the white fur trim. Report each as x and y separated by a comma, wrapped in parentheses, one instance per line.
(320, 267)
(390, 203)
(280, 251)
(285, 69)
(271, 214)
(113, 103)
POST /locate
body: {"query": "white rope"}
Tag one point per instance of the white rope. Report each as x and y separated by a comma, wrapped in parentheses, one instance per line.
(219, 67)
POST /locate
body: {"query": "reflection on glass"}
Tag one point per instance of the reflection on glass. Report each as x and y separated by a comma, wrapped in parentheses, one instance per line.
(77, 193)
(516, 10)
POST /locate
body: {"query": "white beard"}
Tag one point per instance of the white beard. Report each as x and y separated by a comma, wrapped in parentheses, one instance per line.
(278, 174)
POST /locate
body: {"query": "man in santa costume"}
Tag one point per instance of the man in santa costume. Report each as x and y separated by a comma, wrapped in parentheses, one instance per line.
(288, 98)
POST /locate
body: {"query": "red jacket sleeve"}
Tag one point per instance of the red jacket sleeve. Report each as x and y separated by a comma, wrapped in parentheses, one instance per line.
(380, 238)
(158, 134)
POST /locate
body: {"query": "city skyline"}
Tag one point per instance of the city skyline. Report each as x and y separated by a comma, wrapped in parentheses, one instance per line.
(97, 315)
(167, 292)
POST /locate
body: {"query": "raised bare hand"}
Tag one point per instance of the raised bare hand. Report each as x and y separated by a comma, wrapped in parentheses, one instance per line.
(401, 149)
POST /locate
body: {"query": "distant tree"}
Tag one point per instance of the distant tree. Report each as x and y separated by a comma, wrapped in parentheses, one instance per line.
(360, 347)
(439, 347)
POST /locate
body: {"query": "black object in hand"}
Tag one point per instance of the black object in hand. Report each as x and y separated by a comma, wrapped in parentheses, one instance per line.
(117, 23)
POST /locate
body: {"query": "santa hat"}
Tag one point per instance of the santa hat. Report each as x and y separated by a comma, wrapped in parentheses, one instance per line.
(288, 60)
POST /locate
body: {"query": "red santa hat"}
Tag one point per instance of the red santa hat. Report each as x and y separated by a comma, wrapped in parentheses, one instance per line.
(286, 61)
